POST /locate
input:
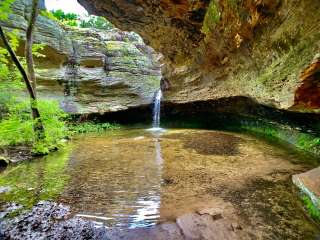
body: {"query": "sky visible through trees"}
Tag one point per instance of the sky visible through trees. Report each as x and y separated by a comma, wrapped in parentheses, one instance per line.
(67, 6)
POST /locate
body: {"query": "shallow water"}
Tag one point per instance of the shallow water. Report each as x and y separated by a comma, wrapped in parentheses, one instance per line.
(137, 178)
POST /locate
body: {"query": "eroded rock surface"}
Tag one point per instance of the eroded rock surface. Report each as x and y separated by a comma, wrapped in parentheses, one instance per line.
(89, 70)
(216, 49)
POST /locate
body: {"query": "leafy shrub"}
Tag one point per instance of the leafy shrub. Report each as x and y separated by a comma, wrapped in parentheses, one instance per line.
(75, 20)
(91, 127)
(62, 16)
(17, 127)
(5, 8)
(96, 22)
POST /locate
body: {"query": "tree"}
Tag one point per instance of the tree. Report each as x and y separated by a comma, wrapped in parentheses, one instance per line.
(96, 22)
(29, 43)
(29, 79)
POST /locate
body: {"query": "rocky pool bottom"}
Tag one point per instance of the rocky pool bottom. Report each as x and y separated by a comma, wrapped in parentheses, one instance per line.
(173, 184)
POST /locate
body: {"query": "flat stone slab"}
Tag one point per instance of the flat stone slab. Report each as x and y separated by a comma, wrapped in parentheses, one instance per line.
(309, 183)
(206, 227)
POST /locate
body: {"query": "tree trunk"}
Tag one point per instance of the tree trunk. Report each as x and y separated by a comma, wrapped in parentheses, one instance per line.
(29, 43)
(38, 126)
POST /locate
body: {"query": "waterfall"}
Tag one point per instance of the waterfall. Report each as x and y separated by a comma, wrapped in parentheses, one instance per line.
(156, 109)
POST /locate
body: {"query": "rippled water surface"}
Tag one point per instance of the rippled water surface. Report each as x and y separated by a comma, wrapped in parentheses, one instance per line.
(137, 178)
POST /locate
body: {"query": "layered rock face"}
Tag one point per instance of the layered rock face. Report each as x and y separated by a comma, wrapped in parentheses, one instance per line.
(90, 70)
(267, 50)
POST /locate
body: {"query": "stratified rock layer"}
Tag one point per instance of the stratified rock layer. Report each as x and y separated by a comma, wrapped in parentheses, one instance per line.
(216, 49)
(90, 70)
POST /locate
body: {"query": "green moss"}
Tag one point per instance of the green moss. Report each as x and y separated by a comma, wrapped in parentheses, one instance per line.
(294, 60)
(305, 141)
(286, 41)
(310, 207)
(301, 140)
(211, 18)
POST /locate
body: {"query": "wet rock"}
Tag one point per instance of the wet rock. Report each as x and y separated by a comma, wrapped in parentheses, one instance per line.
(216, 213)
(15, 154)
(5, 189)
(49, 220)
(8, 209)
(3, 162)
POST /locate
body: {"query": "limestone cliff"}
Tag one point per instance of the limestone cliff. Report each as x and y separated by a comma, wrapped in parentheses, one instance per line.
(267, 50)
(90, 70)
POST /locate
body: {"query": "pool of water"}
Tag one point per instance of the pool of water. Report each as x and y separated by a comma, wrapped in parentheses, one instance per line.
(138, 178)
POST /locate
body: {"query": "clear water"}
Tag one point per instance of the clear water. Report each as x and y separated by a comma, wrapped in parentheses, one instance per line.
(137, 178)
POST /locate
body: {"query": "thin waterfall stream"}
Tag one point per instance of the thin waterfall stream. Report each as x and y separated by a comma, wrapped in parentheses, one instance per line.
(156, 109)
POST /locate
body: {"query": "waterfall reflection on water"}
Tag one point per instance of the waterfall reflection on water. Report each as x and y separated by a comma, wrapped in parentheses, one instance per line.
(151, 206)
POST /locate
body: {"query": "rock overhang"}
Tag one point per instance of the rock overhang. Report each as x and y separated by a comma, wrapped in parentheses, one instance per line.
(225, 48)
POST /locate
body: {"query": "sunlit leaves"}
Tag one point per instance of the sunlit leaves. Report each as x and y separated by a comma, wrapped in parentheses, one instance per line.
(17, 126)
(5, 8)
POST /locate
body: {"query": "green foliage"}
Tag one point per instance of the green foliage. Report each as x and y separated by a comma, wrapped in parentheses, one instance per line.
(305, 141)
(211, 18)
(5, 9)
(10, 78)
(53, 118)
(313, 211)
(96, 22)
(37, 48)
(62, 16)
(17, 127)
(92, 127)
(16, 124)
(74, 20)
(68, 19)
